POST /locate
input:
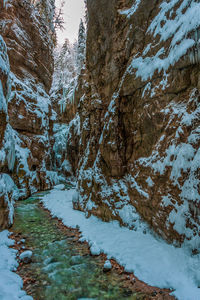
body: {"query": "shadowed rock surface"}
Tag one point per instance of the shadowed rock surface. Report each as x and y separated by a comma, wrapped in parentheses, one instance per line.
(26, 69)
(139, 119)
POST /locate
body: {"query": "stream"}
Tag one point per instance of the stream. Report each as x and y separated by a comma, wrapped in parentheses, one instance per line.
(62, 268)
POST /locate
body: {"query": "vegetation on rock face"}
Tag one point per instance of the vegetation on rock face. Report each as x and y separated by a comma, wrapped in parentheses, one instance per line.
(69, 61)
(53, 16)
(80, 60)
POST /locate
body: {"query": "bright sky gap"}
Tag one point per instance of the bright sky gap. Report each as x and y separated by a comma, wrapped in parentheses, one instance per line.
(73, 11)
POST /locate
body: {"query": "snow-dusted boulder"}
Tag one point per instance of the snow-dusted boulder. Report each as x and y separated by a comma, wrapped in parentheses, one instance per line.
(26, 256)
(107, 266)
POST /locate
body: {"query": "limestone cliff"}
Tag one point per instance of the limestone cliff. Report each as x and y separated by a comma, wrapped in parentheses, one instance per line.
(26, 67)
(139, 116)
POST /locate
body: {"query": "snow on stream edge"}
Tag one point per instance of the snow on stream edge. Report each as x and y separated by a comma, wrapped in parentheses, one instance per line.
(150, 258)
(10, 283)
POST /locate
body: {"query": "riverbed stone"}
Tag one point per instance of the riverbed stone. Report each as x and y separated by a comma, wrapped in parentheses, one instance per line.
(26, 256)
(107, 266)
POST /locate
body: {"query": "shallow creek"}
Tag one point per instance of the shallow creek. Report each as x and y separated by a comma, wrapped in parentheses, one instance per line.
(62, 267)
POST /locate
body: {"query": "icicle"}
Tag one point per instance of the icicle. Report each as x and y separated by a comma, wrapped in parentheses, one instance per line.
(11, 156)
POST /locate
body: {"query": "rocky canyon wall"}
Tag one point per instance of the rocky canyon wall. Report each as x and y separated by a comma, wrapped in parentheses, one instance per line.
(26, 115)
(139, 106)
(134, 141)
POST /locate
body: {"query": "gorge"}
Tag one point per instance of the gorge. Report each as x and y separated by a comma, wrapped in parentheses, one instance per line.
(124, 127)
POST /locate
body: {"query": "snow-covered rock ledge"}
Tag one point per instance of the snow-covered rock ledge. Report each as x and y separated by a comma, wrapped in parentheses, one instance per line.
(150, 258)
(10, 283)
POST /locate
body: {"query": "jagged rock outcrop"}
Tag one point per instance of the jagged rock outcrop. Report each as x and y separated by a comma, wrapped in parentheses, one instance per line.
(26, 123)
(139, 116)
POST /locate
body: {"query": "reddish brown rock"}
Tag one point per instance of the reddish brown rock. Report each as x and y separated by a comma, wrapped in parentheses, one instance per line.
(26, 125)
(3, 213)
(139, 141)
(26, 36)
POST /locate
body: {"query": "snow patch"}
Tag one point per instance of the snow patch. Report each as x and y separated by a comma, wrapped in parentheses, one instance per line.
(177, 29)
(59, 187)
(129, 12)
(107, 265)
(26, 255)
(10, 284)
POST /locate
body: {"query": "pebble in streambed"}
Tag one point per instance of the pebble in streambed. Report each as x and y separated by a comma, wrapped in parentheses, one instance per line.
(62, 268)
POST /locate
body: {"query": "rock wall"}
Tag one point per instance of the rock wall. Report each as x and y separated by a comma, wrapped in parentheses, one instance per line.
(139, 116)
(134, 142)
(26, 114)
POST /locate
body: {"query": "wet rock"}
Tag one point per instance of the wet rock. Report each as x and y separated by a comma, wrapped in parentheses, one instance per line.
(22, 241)
(76, 259)
(107, 266)
(26, 256)
(154, 293)
(95, 250)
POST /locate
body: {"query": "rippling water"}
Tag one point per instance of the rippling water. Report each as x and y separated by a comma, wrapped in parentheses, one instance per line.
(62, 267)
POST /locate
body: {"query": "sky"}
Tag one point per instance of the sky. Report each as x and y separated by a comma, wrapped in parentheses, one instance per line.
(73, 10)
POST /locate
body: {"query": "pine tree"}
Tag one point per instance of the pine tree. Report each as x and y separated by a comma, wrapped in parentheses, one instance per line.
(58, 17)
(64, 78)
(86, 13)
(81, 47)
(52, 16)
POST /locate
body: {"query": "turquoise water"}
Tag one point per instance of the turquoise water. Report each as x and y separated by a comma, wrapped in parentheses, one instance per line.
(61, 267)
